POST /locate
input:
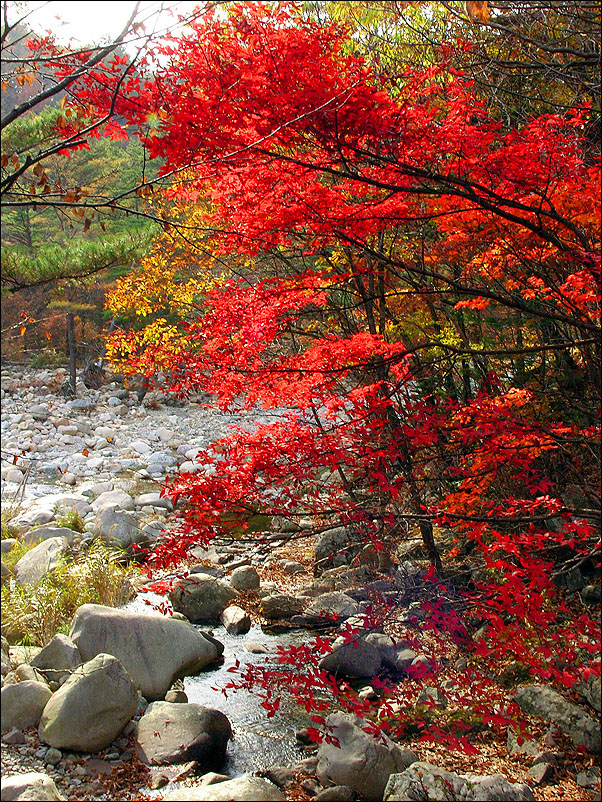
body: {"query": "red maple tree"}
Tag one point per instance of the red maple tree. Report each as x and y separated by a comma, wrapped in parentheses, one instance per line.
(421, 306)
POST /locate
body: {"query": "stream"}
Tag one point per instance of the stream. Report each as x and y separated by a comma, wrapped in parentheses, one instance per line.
(259, 742)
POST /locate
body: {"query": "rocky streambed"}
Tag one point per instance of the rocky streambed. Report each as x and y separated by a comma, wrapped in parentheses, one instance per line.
(130, 703)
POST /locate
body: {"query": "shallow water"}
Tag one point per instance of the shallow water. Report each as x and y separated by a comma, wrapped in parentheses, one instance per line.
(259, 742)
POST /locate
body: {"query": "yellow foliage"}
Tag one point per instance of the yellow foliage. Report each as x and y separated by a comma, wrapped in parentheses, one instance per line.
(146, 351)
(179, 269)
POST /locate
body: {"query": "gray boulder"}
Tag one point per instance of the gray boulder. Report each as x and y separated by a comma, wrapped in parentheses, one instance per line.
(58, 658)
(245, 578)
(7, 544)
(154, 500)
(235, 620)
(335, 548)
(73, 504)
(119, 528)
(530, 748)
(395, 655)
(281, 605)
(336, 793)
(113, 498)
(23, 704)
(202, 598)
(154, 649)
(43, 558)
(6, 666)
(352, 658)
(423, 782)
(91, 708)
(359, 761)
(27, 672)
(242, 789)
(176, 733)
(6, 573)
(581, 728)
(45, 532)
(591, 691)
(29, 787)
(328, 608)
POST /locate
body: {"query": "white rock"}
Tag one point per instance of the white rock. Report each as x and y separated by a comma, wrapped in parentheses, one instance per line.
(154, 500)
(33, 785)
(69, 429)
(113, 498)
(43, 558)
(189, 467)
(101, 487)
(243, 789)
(104, 432)
(140, 446)
(13, 475)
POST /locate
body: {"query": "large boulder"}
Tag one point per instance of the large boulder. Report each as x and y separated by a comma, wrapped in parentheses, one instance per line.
(396, 656)
(154, 500)
(58, 658)
(327, 609)
(23, 704)
(352, 658)
(581, 728)
(591, 691)
(154, 649)
(359, 761)
(46, 532)
(5, 664)
(170, 732)
(43, 558)
(118, 499)
(281, 605)
(29, 787)
(201, 598)
(120, 528)
(91, 708)
(241, 789)
(335, 548)
(72, 504)
(423, 782)
(245, 577)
